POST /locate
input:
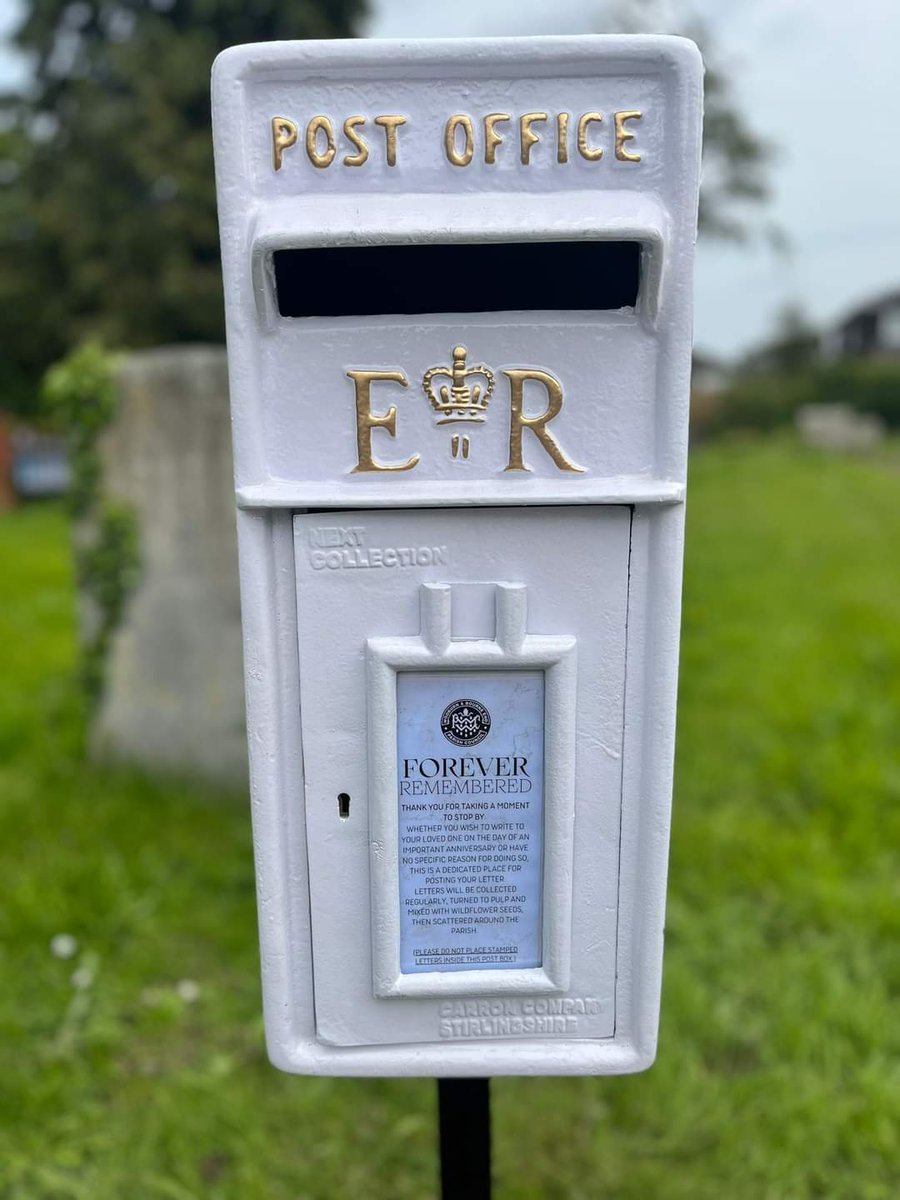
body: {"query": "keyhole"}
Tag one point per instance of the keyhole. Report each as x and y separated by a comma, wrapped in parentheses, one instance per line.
(343, 805)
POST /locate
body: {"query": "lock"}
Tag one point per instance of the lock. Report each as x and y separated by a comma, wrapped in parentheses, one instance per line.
(458, 301)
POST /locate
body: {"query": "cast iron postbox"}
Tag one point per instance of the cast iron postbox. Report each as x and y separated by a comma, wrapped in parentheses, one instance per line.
(458, 289)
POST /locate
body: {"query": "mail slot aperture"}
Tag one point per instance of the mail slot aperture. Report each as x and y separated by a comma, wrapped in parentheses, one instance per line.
(409, 279)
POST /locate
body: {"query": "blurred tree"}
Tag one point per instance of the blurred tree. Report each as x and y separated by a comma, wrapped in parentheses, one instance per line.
(108, 219)
(735, 158)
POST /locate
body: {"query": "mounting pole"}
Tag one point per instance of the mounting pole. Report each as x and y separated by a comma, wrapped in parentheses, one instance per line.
(464, 1117)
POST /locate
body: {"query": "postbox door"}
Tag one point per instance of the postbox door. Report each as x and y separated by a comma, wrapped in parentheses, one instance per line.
(462, 676)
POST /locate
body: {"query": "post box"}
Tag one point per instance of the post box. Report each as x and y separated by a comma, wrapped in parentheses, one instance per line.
(458, 297)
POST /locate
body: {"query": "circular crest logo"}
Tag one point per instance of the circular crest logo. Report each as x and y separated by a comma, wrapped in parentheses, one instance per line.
(465, 722)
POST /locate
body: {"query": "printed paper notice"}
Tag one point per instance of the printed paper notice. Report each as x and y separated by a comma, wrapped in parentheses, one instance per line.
(470, 778)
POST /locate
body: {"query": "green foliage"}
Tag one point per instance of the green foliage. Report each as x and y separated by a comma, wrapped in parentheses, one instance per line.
(108, 228)
(80, 398)
(870, 385)
(778, 1068)
(760, 402)
(107, 570)
(764, 401)
(736, 160)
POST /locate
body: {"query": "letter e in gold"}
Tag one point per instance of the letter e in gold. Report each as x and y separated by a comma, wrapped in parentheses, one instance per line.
(366, 420)
(624, 135)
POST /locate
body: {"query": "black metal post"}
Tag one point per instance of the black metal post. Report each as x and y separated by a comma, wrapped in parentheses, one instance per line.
(464, 1116)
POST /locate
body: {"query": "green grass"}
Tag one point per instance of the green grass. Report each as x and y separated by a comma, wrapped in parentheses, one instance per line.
(779, 1066)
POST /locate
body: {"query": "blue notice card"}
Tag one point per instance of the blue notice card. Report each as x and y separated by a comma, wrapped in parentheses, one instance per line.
(470, 778)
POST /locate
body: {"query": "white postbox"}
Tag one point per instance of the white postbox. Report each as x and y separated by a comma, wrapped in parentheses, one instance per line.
(458, 288)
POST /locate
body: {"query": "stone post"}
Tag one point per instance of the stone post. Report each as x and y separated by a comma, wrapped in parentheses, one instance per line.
(174, 692)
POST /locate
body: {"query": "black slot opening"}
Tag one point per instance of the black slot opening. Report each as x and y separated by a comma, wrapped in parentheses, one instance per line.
(363, 281)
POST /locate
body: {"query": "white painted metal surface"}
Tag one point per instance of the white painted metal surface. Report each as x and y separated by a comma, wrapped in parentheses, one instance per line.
(458, 491)
(392, 628)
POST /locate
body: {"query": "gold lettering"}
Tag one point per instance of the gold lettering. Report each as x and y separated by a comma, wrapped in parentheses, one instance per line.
(624, 135)
(284, 135)
(518, 422)
(526, 137)
(326, 157)
(362, 150)
(591, 153)
(366, 420)
(454, 155)
(390, 124)
(492, 139)
(562, 137)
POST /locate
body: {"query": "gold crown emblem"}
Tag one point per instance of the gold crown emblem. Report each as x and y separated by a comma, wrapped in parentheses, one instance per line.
(459, 401)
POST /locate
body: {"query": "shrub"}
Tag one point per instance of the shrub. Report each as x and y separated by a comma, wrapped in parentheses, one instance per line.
(767, 401)
(79, 396)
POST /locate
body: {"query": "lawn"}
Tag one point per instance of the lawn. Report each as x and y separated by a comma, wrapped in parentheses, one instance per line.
(135, 1068)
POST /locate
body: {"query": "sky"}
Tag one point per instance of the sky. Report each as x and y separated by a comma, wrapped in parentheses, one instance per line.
(818, 80)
